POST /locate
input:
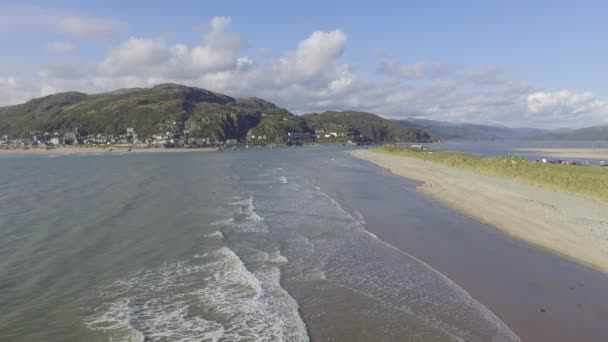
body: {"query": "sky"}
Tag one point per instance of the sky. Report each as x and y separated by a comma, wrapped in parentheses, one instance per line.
(514, 63)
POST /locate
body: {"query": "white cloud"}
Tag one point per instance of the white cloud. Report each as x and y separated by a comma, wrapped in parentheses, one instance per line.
(565, 105)
(421, 70)
(60, 47)
(27, 18)
(63, 72)
(563, 101)
(16, 91)
(315, 53)
(219, 51)
(138, 56)
(484, 74)
(89, 27)
(312, 76)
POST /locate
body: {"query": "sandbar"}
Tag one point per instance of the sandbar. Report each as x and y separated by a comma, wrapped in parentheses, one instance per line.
(566, 224)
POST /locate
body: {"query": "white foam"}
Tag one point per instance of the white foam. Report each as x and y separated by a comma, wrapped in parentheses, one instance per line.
(223, 222)
(215, 234)
(243, 217)
(283, 180)
(357, 216)
(361, 265)
(262, 257)
(370, 234)
(277, 258)
(214, 297)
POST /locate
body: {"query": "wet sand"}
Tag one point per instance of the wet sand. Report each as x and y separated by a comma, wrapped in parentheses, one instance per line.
(579, 153)
(86, 150)
(568, 225)
(541, 296)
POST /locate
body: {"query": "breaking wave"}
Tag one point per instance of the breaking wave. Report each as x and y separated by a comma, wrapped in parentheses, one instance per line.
(211, 297)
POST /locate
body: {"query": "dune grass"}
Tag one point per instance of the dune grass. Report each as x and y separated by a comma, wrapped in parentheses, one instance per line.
(588, 181)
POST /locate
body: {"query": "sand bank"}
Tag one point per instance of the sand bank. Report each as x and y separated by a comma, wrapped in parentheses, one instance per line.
(115, 150)
(581, 153)
(571, 226)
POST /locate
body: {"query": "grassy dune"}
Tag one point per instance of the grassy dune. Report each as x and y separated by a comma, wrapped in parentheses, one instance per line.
(589, 181)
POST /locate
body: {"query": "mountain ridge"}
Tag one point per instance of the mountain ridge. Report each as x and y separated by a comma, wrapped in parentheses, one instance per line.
(176, 110)
(470, 131)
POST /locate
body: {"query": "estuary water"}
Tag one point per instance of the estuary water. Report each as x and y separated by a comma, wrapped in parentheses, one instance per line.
(252, 245)
(517, 147)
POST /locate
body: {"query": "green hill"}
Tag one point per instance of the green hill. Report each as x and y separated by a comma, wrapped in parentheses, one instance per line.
(589, 133)
(467, 131)
(182, 110)
(366, 126)
(150, 111)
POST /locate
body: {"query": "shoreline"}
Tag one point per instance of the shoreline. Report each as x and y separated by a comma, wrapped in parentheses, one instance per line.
(512, 278)
(108, 150)
(565, 224)
(580, 153)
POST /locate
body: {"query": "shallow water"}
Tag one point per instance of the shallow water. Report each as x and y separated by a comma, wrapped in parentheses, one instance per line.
(259, 245)
(512, 147)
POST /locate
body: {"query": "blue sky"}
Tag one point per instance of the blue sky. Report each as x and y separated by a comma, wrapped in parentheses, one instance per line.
(518, 63)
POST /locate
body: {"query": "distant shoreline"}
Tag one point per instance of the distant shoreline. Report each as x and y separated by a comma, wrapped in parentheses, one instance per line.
(109, 150)
(565, 224)
(581, 153)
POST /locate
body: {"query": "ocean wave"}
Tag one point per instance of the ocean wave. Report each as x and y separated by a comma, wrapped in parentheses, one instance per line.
(215, 234)
(211, 298)
(341, 251)
(242, 217)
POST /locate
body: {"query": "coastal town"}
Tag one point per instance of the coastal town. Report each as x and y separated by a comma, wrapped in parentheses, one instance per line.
(169, 139)
(128, 139)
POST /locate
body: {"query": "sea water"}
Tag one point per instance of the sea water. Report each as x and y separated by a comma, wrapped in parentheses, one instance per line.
(253, 245)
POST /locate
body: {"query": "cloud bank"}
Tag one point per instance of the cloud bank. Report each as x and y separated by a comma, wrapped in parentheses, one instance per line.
(312, 77)
(23, 18)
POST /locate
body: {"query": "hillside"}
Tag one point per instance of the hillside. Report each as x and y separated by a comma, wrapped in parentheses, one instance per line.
(173, 110)
(466, 131)
(366, 126)
(165, 107)
(582, 134)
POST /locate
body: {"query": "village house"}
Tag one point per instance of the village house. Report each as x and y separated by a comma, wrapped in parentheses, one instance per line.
(299, 135)
(56, 141)
(70, 138)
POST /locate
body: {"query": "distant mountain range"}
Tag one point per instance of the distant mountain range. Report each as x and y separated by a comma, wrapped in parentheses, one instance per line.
(468, 131)
(588, 133)
(366, 125)
(180, 111)
(177, 110)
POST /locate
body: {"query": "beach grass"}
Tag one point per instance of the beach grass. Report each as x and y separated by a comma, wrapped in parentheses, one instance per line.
(588, 181)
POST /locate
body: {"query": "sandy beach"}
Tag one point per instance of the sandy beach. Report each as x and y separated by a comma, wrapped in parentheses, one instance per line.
(113, 150)
(582, 153)
(571, 226)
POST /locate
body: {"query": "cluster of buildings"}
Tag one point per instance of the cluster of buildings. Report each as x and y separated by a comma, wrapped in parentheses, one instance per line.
(301, 136)
(321, 133)
(173, 137)
(128, 139)
(44, 139)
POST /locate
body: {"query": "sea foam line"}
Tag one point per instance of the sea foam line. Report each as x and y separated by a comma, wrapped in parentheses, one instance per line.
(211, 298)
(503, 333)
